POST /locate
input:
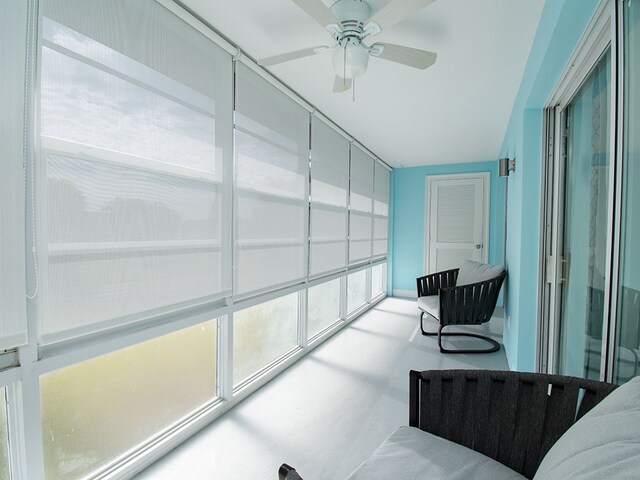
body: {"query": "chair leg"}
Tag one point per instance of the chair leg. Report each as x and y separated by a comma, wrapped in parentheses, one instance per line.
(495, 346)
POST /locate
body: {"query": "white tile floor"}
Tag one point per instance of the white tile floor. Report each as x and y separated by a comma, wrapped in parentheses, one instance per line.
(329, 411)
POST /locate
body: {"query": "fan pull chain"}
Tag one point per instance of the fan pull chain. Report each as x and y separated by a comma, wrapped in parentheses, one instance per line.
(353, 91)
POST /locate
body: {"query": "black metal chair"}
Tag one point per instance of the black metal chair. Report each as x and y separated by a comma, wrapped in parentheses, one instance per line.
(451, 305)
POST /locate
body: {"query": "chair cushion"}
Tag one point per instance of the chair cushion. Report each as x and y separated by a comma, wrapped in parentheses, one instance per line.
(474, 272)
(411, 454)
(430, 305)
(605, 443)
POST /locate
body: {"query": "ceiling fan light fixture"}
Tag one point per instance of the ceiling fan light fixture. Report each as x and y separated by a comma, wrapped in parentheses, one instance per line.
(350, 60)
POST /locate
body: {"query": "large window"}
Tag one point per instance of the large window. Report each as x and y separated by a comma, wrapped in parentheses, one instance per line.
(262, 334)
(134, 140)
(151, 180)
(323, 307)
(356, 290)
(378, 280)
(94, 411)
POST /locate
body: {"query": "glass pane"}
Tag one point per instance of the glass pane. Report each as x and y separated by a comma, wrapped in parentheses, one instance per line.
(584, 254)
(262, 334)
(626, 361)
(324, 306)
(4, 438)
(356, 290)
(378, 280)
(96, 410)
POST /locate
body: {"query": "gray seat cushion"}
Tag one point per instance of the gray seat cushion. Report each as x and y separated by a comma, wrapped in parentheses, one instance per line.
(603, 444)
(430, 305)
(411, 454)
(474, 272)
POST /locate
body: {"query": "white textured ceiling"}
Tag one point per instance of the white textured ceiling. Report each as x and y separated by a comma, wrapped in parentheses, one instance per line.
(455, 111)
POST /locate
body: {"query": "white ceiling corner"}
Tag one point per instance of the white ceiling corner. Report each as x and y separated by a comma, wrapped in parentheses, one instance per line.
(455, 111)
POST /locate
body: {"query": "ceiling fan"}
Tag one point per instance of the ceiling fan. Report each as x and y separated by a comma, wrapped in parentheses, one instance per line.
(350, 22)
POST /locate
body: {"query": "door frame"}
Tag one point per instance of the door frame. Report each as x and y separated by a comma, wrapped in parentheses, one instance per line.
(598, 37)
(486, 185)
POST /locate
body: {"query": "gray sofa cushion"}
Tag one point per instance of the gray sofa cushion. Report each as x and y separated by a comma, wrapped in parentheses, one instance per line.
(474, 272)
(604, 444)
(430, 305)
(411, 454)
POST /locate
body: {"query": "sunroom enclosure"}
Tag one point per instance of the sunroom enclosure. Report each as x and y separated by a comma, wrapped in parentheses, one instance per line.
(190, 227)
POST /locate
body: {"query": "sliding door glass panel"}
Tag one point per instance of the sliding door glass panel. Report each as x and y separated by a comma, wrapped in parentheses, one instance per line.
(262, 334)
(627, 350)
(95, 411)
(324, 306)
(356, 290)
(584, 254)
(4, 438)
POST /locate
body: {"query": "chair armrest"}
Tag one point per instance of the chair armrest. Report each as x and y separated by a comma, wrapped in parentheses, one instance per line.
(471, 304)
(432, 283)
(286, 472)
(512, 417)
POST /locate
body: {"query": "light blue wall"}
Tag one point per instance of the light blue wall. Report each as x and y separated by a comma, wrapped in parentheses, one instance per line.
(561, 26)
(408, 207)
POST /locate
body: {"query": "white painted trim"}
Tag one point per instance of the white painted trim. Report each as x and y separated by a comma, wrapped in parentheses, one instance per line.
(486, 182)
(405, 293)
(593, 43)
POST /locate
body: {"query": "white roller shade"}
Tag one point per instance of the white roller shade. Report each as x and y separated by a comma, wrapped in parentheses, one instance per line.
(329, 196)
(271, 186)
(361, 206)
(13, 38)
(136, 140)
(381, 210)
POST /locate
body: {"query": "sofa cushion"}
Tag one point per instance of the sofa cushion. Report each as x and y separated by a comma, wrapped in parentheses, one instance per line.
(430, 305)
(605, 443)
(474, 272)
(411, 454)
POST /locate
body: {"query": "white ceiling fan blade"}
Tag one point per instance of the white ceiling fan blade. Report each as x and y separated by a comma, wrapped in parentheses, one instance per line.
(318, 11)
(285, 57)
(341, 84)
(412, 57)
(396, 11)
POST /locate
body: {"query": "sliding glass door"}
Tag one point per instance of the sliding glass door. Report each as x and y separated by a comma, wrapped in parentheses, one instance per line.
(583, 242)
(627, 328)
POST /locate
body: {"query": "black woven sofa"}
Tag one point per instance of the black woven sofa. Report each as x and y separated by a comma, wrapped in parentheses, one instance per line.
(485, 424)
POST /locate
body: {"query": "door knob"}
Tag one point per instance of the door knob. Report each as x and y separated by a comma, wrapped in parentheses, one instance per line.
(478, 246)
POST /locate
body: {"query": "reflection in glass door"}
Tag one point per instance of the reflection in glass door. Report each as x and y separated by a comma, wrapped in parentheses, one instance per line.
(584, 225)
(626, 361)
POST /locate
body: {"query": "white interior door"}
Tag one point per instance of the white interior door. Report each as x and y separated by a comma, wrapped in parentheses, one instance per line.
(457, 220)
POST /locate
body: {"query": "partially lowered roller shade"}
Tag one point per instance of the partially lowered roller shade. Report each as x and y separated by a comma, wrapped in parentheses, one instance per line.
(329, 197)
(271, 186)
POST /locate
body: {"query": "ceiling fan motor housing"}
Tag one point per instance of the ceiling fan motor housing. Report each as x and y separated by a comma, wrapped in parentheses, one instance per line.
(351, 57)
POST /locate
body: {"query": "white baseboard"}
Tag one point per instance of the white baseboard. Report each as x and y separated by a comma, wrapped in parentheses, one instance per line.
(404, 293)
